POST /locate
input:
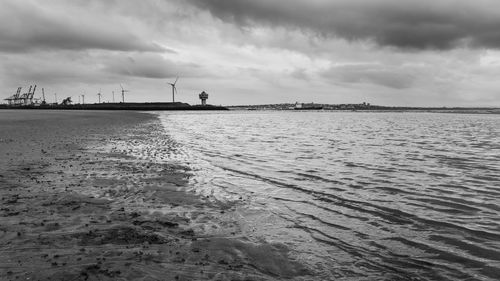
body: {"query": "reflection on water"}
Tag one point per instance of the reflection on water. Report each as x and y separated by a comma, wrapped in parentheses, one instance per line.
(357, 195)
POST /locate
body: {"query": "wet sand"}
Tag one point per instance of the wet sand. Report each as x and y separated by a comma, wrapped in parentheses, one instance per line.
(78, 203)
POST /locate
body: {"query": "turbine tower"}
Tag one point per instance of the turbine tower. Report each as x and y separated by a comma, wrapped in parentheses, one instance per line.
(174, 89)
(99, 95)
(123, 93)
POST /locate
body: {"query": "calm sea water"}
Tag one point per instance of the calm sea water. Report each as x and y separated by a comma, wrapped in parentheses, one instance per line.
(385, 196)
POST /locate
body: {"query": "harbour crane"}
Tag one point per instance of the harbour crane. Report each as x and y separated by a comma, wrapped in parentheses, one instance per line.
(29, 97)
(43, 96)
(66, 101)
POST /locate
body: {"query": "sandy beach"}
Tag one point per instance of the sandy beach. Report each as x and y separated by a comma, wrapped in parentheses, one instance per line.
(84, 197)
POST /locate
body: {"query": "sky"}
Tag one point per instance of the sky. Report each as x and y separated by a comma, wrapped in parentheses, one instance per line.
(384, 52)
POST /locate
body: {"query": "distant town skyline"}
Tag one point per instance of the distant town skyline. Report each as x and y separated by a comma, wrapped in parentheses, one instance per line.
(386, 52)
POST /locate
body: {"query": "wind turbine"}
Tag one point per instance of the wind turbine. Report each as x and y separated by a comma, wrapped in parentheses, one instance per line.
(123, 93)
(99, 95)
(174, 89)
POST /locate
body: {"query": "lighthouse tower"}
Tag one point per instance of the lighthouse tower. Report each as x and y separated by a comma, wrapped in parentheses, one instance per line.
(203, 98)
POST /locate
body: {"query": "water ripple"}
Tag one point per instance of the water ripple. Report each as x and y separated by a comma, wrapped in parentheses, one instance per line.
(411, 196)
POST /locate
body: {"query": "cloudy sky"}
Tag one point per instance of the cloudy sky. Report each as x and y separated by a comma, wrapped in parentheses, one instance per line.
(387, 52)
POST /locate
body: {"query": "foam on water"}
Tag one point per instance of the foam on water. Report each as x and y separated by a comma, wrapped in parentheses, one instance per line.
(360, 195)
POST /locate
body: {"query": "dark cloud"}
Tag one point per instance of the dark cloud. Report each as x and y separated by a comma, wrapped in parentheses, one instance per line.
(438, 24)
(25, 27)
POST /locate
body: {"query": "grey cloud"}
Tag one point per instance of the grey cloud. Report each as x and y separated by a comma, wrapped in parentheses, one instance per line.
(25, 27)
(396, 78)
(63, 67)
(299, 73)
(440, 24)
(149, 66)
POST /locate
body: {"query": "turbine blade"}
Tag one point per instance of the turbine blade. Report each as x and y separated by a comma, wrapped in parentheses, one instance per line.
(176, 80)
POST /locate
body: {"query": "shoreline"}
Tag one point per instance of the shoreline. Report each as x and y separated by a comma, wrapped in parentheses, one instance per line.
(77, 204)
(395, 110)
(153, 106)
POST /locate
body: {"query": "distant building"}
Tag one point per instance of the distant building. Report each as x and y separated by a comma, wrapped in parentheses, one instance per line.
(307, 106)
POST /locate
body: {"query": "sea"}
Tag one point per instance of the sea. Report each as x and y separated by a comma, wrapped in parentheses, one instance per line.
(355, 195)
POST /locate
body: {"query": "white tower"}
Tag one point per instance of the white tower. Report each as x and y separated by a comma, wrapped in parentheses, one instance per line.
(203, 97)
